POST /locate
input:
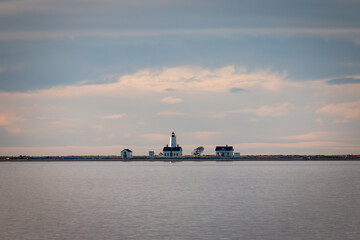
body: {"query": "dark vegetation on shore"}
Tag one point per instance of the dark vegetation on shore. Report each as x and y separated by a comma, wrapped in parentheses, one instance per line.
(23, 158)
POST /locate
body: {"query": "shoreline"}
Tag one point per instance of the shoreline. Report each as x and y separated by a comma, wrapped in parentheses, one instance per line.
(180, 159)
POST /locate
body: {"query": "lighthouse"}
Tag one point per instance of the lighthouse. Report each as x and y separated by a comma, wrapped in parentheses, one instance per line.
(172, 140)
(173, 149)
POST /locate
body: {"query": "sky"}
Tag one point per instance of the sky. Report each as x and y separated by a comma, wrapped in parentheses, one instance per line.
(88, 77)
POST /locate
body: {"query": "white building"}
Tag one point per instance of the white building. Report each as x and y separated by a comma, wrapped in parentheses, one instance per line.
(173, 150)
(224, 151)
(126, 153)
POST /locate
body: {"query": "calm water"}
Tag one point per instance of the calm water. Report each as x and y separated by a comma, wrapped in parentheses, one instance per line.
(232, 200)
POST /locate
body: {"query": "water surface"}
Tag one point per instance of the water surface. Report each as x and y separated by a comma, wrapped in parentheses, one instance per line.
(185, 200)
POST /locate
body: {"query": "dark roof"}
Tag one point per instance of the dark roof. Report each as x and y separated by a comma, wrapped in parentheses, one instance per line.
(127, 150)
(224, 148)
(172, 149)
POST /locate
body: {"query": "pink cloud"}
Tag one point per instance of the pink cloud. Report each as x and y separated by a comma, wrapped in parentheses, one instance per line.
(299, 145)
(13, 130)
(4, 119)
(307, 147)
(265, 110)
(8, 119)
(311, 136)
(322, 88)
(171, 100)
(98, 127)
(188, 79)
(167, 113)
(113, 116)
(349, 110)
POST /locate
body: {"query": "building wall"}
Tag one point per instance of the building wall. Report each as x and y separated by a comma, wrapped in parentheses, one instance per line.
(126, 154)
(172, 154)
(224, 153)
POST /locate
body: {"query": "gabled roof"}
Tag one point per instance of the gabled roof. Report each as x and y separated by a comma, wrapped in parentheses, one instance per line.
(128, 150)
(224, 148)
(172, 149)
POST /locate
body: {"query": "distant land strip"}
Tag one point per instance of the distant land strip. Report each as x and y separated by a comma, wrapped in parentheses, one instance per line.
(183, 158)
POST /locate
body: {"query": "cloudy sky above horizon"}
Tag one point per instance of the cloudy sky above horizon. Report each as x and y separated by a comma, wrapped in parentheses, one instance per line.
(92, 77)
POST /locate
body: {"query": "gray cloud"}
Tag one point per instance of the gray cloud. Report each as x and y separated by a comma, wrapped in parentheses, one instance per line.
(339, 81)
(236, 90)
(159, 14)
(170, 90)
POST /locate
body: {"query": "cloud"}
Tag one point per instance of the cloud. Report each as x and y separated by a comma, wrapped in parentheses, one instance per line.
(272, 111)
(334, 33)
(75, 150)
(111, 136)
(236, 90)
(302, 147)
(306, 144)
(344, 81)
(319, 121)
(166, 113)
(349, 110)
(65, 122)
(185, 79)
(13, 130)
(198, 79)
(194, 84)
(4, 119)
(205, 135)
(320, 135)
(332, 87)
(113, 116)
(98, 127)
(155, 137)
(265, 110)
(170, 90)
(10, 123)
(341, 121)
(7, 119)
(171, 100)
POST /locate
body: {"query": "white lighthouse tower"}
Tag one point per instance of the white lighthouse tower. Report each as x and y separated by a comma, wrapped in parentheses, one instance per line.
(172, 140)
(173, 149)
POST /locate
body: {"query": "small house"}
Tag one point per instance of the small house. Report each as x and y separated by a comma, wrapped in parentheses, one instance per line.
(172, 151)
(126, 153)
(224, 151)
(151, 154)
